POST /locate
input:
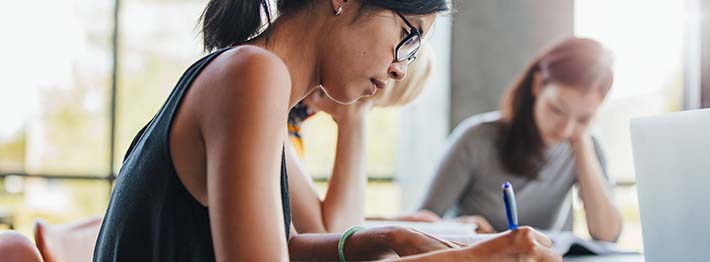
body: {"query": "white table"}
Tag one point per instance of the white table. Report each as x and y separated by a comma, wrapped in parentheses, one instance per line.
(615, 258)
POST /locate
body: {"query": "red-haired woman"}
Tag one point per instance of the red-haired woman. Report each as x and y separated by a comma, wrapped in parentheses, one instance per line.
(539, 141)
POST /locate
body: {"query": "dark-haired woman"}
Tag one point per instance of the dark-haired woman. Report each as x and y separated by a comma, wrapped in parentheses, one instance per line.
(205, 179)
(540, 143)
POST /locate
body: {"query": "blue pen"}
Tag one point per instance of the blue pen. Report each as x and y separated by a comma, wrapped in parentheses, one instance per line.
(511, 209)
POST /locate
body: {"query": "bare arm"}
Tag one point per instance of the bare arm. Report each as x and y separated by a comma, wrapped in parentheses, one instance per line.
(365, 245)
(243, 130)
(368, 245)
(403, 244)
(344, 202)
(306, 206)
(603, 218)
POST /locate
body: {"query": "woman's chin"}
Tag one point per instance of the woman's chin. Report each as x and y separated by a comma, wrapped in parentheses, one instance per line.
(552, 142)
(348, 101)
(343, 100)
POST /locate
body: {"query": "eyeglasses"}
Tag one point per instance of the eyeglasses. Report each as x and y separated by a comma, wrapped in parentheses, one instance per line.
(407, 49)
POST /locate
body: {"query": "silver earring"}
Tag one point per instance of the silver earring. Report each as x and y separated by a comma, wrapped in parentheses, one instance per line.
(340, 10)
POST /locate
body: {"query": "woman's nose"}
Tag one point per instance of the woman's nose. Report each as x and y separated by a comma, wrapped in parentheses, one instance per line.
(568, 128)
(397, 70)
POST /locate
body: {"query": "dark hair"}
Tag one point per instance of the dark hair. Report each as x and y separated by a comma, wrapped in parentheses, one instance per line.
(231, 22)
(576, 62)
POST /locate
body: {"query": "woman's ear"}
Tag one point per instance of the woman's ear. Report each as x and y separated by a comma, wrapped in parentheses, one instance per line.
(338, 6)
(537, 84)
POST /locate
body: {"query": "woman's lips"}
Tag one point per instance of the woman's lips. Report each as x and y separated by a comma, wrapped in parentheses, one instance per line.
(373, 89)
(375, 84)
(378, 83)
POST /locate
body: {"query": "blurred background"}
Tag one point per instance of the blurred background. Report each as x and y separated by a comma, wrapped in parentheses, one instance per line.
(78, 79)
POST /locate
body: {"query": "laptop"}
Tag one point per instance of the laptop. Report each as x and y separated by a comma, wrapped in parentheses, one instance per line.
(672, 162)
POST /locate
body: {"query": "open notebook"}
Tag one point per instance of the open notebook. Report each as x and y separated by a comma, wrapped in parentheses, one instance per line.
(567, 244)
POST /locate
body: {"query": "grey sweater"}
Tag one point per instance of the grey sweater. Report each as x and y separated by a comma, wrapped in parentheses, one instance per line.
(469, 178)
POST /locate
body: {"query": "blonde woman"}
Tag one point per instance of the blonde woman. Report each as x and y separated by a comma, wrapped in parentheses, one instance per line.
(344, 202)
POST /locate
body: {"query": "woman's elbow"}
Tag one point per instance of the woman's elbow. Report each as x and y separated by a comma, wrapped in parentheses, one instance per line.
(609, 233)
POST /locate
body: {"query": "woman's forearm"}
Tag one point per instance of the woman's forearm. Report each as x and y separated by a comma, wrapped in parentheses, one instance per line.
(603, 218)
(310, 247)
(344, 204)
(376, 243)
(365, 245)
(387, 242)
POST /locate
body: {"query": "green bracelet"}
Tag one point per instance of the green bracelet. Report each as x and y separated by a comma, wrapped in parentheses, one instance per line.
(343, 238)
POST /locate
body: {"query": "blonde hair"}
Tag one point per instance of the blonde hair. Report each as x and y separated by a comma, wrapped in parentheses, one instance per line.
(401, 92)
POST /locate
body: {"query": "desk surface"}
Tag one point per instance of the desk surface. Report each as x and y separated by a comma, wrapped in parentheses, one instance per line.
(615, 258)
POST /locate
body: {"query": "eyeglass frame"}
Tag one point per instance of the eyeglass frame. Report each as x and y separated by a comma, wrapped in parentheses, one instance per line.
(414, 32)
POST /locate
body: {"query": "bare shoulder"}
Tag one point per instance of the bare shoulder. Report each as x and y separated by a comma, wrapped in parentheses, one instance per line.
(243, 84)
(254, 65)
(246, 75)
(245, 71)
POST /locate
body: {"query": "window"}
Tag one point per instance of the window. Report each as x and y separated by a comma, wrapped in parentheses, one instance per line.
(320, 137)
(55, 107)
(54, 95)
(159, 41)
(647, 39)
(57, 68)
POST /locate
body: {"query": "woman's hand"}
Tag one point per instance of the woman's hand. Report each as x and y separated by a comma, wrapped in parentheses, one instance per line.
(318, 101)
(410, 241)
(523, 244)
(482, 224)
(580, 137)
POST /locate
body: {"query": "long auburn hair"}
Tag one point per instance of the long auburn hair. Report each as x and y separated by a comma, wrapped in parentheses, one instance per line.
(575, 62)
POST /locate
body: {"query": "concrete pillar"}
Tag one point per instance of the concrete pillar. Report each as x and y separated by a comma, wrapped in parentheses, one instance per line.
(493, 40)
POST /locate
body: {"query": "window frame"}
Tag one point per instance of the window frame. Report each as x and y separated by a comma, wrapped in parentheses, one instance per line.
(110, 175)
